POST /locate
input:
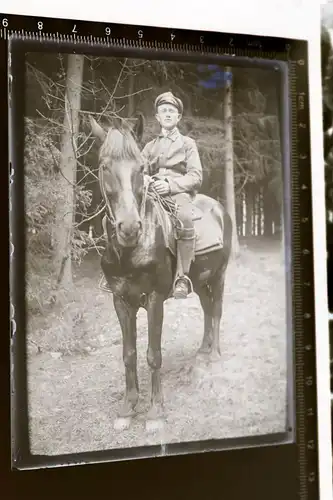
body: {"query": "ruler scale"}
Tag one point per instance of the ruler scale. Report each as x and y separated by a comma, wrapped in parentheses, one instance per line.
(42, 33)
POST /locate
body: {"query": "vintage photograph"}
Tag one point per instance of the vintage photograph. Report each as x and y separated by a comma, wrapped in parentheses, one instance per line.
(156, 280)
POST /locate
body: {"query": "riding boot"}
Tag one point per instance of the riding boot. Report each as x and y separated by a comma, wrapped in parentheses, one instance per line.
(185, 255)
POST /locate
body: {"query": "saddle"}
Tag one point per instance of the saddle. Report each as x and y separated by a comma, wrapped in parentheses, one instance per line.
(208, 225)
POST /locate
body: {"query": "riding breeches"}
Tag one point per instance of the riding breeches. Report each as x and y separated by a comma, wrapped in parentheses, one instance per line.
(185, 233)
(184, 211)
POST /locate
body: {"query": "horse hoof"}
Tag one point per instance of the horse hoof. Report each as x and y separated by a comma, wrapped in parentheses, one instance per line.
(122, 423)
(202, 359)
(202, 355)
(154, 425)
(215, 356)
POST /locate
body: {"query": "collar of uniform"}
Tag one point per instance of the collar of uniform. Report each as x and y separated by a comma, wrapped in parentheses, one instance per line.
(173, 135)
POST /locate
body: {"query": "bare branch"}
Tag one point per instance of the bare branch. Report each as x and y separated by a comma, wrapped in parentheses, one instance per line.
(134, 93)
(115, 87)
(89, 172)
(58, 125)
(93, 215)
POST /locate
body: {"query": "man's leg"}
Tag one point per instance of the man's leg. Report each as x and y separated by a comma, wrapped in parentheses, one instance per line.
(185, 235)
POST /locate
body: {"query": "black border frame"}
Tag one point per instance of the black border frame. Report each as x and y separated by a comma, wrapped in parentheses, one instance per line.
(18, 49)
(298, 49)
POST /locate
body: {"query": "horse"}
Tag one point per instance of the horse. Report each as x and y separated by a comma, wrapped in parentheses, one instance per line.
(139, 266)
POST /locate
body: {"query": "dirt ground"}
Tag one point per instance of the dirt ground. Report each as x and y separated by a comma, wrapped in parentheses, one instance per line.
(76, 382)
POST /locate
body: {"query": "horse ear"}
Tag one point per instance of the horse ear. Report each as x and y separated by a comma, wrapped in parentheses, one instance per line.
(138, 128)
(117, 123)
(96, 130)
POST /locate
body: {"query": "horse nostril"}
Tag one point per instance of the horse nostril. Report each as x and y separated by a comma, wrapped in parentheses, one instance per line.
(130, 228)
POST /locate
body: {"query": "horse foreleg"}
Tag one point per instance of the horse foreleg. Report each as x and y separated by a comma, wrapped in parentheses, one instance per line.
(127, 319)
(155, 416)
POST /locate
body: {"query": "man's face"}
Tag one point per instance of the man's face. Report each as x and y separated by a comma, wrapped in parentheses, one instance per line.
(167, 116)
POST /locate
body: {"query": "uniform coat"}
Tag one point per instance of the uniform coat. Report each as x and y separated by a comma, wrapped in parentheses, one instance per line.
(174, 158)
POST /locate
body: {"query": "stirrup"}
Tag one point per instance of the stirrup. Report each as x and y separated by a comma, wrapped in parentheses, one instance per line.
(185, 287)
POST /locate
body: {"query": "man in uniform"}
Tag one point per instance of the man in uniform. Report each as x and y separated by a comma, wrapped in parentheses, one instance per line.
(173, 162)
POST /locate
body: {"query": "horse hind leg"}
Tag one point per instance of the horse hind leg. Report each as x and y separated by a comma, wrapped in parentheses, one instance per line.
(211, 298)
(217, 287)
(205, 296)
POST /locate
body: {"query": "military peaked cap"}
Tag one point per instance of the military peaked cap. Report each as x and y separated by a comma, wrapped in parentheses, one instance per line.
(169, 98)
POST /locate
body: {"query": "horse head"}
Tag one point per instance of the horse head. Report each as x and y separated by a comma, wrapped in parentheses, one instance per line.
(121, 176)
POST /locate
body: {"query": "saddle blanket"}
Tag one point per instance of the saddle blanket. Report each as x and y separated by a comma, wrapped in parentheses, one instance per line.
(208, 229)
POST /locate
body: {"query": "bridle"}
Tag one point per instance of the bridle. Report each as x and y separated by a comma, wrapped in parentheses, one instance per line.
(109, 213)
(108, 208)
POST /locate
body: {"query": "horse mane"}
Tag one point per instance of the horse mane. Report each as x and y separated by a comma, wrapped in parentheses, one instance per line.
(120, 145)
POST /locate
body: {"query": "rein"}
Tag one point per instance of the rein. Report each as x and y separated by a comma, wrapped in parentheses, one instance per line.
(165, 202)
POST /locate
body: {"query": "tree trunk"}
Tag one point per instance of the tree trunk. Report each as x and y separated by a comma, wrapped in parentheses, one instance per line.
(229, 163)
(249, 211)
(261, 211)
(240, 214)
(65, 214)
(256, 212)
(268, 212)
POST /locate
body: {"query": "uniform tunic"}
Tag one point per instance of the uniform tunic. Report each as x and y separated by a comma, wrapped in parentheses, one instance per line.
(175, 158)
